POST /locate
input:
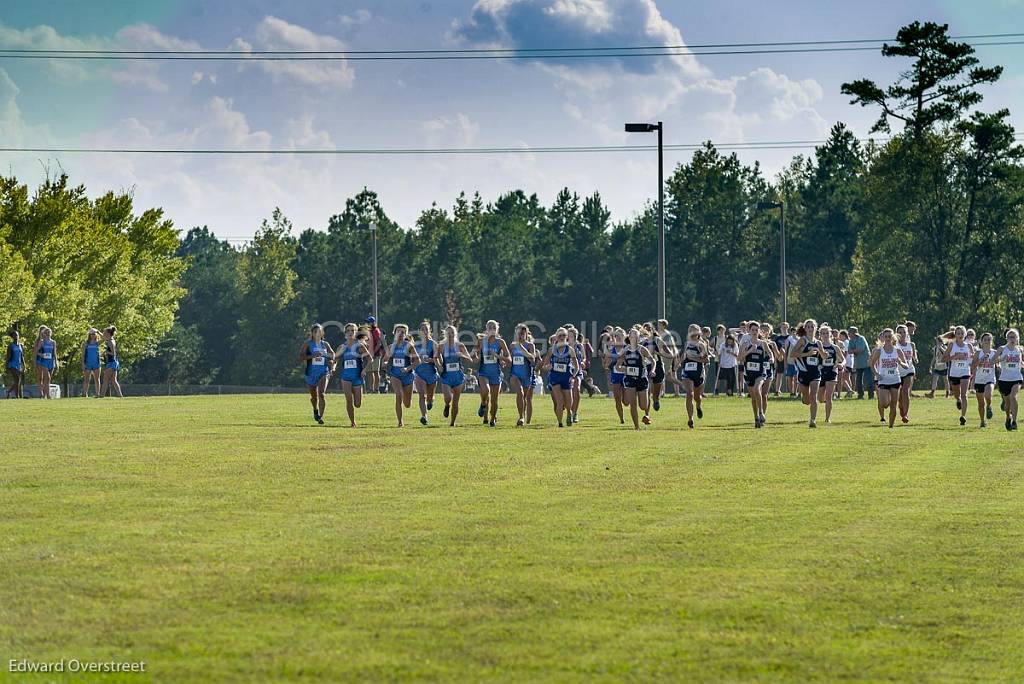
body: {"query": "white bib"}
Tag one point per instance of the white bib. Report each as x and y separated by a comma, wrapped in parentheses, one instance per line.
(811, 360)
(828, 362)
(398, 362)
(632, 371)
(960, 365)
(753, 366)
(560, 368)
(518, 360)
(984, 375)
(490, 358)
(47, 355)
(453, 367)
(891, 372)
(690, 366)
(318, 361)
(350, 363)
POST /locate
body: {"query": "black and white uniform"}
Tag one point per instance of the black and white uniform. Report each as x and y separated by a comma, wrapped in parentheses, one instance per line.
(833, 358)
(888, 369)
(635, 377)
(908, 352)
(959, 362)
(986, 373)
(693, 367)
(654, 345)
(808, 369)
(753, 366)
(1009, 369)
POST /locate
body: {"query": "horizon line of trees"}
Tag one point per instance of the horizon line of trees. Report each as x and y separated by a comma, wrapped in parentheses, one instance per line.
(929, 226)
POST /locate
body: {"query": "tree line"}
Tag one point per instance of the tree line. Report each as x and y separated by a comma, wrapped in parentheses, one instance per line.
(927, 224)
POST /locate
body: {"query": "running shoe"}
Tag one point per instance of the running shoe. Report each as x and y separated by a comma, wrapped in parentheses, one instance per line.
(493, 422)
(447, 410)
(430, 405)
(958, 405)
(647, 420)
(963, 421)
(657, 405)
(481, 411)
(700, 413)
(689, 424)
(520, 422)
(423, 420)
(988, 413)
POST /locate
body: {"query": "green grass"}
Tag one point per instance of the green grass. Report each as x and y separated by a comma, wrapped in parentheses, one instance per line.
(228, 538)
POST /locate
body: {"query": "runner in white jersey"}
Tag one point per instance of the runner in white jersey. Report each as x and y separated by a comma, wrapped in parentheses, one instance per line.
(1010, 379)
(983, 368)
(887, 360)
(958, 356)
(907, 374)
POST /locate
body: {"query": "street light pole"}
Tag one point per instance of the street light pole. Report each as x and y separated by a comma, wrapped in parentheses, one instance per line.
(761, 206)
(660, 128)
(373, 232)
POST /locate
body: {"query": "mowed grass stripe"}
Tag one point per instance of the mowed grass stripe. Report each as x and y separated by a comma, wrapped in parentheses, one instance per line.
(230, 538)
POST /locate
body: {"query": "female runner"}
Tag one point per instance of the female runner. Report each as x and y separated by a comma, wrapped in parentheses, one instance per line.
(521, 377)
(1010, 378)
(577, 377)
(317, 355)
(769, 367)
(908, 373)
(111, 363)
(983, 368)
(611, 359)
(695, 355)
(91, 362)
(807, 355)
(958, 355)
(753, 355)
(16, 366)
(887, 359)
(633, 363)
(45, 352)
(355, 364)
(401, 358)
(562, 361)
(491, 354)
(832, 361)
(450, 357)
(426, 371)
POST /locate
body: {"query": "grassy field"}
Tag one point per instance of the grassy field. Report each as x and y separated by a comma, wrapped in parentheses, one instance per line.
(229, 538)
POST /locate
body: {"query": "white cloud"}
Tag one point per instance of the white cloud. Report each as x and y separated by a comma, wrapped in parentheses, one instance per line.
(14, 130)
(355, 19)
(457, 131)
(277, 34)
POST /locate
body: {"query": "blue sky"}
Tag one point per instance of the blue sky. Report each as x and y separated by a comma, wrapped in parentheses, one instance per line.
(428, 104)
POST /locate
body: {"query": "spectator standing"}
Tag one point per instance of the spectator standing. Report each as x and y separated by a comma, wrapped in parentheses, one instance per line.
(858, 346)
(376, 354)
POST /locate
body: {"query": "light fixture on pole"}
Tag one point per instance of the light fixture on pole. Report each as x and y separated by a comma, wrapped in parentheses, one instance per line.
(650, 128)
(763, 206)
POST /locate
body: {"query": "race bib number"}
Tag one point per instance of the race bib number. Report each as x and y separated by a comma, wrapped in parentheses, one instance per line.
(633, 371)
(984, 375)
(561, 367)
(47, 355)
(891, 372)
(960, 365)
(753, 366)
(490, 358)
(690, 366)
(350, 363)
(398, 363)
(1012, 365)
(318, 361)
(453, 367)
(812, 360)
(518, 360)
(829, 362)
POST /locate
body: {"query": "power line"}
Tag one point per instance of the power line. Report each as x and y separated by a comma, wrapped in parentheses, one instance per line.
(681, 147)
(249, 54)
(381, 56)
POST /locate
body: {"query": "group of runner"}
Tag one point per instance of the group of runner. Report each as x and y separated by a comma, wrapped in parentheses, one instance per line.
(100, 362)
(641, 360)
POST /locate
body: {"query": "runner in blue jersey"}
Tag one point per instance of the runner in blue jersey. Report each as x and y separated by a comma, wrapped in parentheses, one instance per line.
(15, 365)
(426, 371)
(91, 362)
(111, 363)
(355, 361)
(318, 358)
(401, 359)
(611, 358)
(491, 354)
(563, 362)
(574, 340)
(45, 352)
(521, 378)
(450, 356)
(636, 363)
